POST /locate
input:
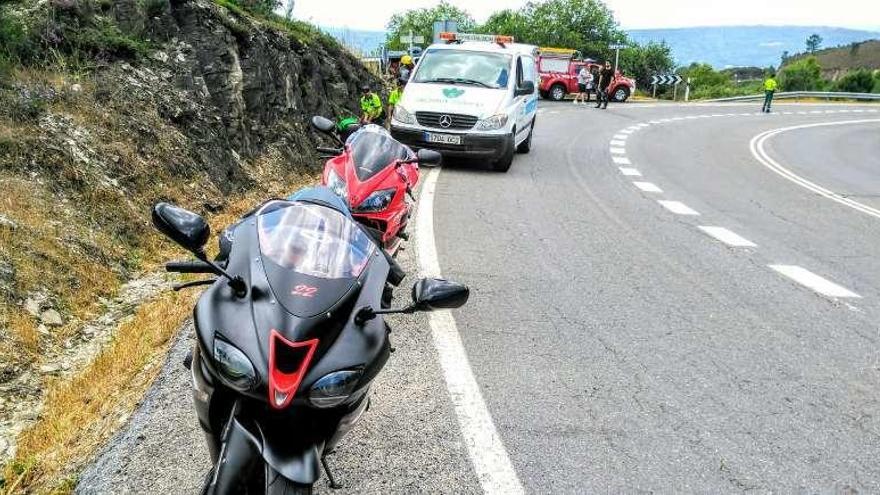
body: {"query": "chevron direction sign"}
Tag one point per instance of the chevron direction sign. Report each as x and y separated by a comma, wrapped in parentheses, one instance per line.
(666, 79)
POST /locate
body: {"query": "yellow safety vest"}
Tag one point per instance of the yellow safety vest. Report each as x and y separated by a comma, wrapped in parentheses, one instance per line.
(770, 84)
(371, 105)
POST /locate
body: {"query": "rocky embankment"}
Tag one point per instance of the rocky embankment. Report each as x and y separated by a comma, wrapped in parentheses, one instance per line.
(107, 107)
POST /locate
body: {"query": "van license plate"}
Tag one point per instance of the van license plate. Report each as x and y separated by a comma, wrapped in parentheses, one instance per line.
(442, 138)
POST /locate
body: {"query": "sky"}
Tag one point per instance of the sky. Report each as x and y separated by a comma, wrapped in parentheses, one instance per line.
(632, 14)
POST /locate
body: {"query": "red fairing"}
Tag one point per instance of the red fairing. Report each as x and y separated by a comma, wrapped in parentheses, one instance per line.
(285, 377)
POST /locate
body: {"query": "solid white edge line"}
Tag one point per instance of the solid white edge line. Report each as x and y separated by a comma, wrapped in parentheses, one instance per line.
(677, 207)
(647, 187)
(726, 236)
(621, 160)
(488, 455)
(630, 171)
(756, 145)
(815, 282)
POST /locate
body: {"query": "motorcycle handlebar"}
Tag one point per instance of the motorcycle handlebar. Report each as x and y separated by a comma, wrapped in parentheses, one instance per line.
(188, 267)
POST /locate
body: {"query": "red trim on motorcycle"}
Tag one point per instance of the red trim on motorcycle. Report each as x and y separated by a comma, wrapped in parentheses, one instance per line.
(288, 362)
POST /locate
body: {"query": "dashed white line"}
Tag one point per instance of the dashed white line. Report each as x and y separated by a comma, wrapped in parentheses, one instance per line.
(677, 207)
(488, 455)
(621, 160)
(617, 142)
(648, 187)
(809, 279)
(726, 236)
(643, 125)
(626, 131)
(629, 171)
(620, 136)
(617, 151)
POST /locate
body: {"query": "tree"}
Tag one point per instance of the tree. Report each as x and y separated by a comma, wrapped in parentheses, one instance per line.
(802, 75)
(421, 23)
(784, 58)
(814, 41)
(643, 61)
(509, 22)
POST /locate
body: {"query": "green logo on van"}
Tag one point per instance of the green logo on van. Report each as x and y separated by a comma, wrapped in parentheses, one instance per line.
(452, 92)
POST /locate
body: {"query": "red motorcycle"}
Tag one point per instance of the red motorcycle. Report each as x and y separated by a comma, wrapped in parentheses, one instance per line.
(375, 175)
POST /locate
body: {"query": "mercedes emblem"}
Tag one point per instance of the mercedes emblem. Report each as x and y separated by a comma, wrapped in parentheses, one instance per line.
(445, 121)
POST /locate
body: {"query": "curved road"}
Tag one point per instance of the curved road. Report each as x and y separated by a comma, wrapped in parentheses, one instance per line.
(654, 308)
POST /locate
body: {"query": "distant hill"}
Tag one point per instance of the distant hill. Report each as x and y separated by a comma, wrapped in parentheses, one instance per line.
(736, 46)
(720, 47)
(837, 61)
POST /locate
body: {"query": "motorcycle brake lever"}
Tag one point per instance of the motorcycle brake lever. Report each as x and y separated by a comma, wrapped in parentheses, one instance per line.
(193, 283)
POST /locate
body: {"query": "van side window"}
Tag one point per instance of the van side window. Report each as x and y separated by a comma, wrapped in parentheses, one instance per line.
(530, 70)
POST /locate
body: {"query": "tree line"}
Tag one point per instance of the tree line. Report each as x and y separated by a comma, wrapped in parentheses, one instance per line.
(584, 25)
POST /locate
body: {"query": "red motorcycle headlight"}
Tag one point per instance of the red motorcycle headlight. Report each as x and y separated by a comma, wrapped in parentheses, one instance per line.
(288, 362)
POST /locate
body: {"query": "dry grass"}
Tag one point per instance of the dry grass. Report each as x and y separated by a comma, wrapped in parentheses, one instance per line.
(84, 412)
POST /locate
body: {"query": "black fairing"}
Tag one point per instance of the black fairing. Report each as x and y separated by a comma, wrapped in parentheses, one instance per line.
(247, 322)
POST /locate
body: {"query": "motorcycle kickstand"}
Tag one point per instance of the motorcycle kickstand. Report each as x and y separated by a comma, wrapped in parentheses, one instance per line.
(333, 484)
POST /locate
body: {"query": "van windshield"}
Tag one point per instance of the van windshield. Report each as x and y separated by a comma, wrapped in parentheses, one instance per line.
(485, 69)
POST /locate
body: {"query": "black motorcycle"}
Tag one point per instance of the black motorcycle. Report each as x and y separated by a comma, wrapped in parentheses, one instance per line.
(290, 336)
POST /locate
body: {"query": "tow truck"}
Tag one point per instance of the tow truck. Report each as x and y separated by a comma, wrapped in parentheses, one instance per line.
(559, 67)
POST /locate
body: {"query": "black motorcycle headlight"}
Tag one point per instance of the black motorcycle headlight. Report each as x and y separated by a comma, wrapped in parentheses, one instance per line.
(234, 366)
(334, 388)
(377, 201)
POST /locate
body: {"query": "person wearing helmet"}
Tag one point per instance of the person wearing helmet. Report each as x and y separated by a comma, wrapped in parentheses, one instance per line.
(406, 65)
(371, 106)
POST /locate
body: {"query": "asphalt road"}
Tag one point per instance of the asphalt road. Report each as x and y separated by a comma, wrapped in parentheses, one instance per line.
(617, 345)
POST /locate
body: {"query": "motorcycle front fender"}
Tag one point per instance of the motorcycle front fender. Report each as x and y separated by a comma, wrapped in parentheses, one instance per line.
(243, 453)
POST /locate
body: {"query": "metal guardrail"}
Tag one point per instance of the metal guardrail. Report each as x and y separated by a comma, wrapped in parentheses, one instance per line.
(828, 95)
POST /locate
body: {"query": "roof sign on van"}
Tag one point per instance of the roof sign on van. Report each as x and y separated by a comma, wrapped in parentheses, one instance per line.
(450, 37)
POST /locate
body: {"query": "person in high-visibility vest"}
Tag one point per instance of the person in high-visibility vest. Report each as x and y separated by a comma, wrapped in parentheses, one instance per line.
(393, 99)
(769, 89)
(371, 107)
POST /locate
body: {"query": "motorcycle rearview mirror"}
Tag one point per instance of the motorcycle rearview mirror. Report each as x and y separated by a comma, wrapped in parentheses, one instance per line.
(323, 124)
(436, 293)
(191, 232)
(428, 294)
(429, 158)
(184, 227)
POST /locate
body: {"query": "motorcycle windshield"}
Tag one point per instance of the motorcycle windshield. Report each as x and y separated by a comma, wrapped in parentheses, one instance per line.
(314, 240)
(372, 149)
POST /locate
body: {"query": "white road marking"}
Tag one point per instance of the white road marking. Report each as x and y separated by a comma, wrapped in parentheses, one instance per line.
(633, 127)
(488, 455)
(621, 160)
(726, 236)
(630, 171)
(857, 110)
(809, 279)
(643, 125)
(648, 187)
(625, 131)
(654, 121)
(677, 207)
(617, 142)
(617, 151)
(757, 147)
(815, 111)
(620, 136)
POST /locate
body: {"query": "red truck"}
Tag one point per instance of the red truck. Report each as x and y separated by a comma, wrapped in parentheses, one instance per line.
(558, 68)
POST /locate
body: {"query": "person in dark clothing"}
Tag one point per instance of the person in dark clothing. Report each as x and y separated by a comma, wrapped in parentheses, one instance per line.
(605, 77)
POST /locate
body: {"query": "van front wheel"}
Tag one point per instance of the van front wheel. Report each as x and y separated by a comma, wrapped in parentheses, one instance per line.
(503, 163)
(526, 146)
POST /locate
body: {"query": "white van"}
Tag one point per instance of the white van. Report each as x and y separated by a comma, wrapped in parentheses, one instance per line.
(471, 98)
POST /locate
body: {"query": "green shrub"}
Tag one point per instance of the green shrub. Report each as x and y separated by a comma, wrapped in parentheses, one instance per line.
(155, 8)
(856, 81)
(802, 75)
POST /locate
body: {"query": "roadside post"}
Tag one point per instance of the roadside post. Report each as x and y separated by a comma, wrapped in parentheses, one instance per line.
(410, 38)
(616, 47)
(687, 89)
